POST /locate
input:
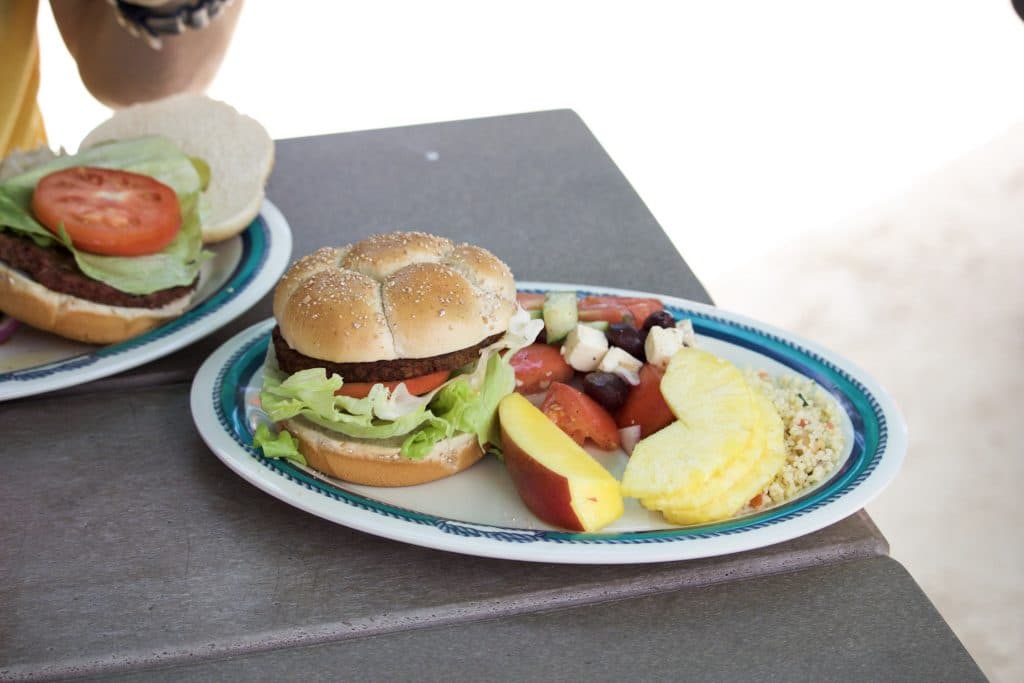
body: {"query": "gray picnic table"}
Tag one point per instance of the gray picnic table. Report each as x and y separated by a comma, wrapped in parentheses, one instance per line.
(128, 551)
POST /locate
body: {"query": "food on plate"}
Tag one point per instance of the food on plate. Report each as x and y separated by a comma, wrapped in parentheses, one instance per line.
(106, 244)
(64, 279)
(617, 309)
(609, 390)
(644, 405)
(537, 366)
(236, 149)
(718, 422)
(725, 447)
(8, 326)
(560, 314)
(106, 211)
(557, 480)
(705, 442)
(813, 439)
(580, 417)
(394, 314)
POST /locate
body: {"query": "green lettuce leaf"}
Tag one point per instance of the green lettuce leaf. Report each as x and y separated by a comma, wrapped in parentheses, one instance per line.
(176, 265)
(280, 445)
(454, 407)
(153, 155)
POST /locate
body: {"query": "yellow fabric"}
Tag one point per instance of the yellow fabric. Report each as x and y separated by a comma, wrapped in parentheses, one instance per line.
(21, 123)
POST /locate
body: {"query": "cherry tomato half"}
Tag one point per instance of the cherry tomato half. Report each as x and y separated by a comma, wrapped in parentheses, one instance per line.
(614, 308)
(537, 366)
(106, 211)
(580, 416)
(645, 406)
(417, 386)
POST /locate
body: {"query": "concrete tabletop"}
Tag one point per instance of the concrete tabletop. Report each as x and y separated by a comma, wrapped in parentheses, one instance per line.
(753, 630)
(132, 548)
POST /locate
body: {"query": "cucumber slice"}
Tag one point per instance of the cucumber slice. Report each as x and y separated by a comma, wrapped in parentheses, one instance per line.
(560, 315)
(536, 314)
(598, 324)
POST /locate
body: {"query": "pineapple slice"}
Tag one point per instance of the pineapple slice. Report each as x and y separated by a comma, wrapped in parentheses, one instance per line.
(717, 419)
(757, 477)
(722, 480)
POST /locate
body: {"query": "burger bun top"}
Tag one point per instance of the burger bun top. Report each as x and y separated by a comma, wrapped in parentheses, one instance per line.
(237, 149)
(397, 295)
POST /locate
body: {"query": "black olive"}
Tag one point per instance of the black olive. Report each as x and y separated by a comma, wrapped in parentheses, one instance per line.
(659, 319)
(627, 338)
(607, 389)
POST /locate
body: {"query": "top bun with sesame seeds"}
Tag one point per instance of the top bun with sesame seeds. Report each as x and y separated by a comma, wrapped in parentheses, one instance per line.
(401, 295)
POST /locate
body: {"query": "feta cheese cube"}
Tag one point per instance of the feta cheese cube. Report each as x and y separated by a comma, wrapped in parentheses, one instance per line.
(689, 336)
(663, 342)
(622, 364)
(584, 348)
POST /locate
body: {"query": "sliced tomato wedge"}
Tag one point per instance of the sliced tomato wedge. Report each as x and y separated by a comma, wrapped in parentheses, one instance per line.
(417, 386)
(580, 416)
(537, 366)
(530, 301)
(614, 309)
(106, 211)
(645, 406)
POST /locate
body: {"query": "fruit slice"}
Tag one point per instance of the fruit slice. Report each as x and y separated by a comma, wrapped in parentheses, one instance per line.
(717, 418)
(555, 477)
(757, 477)
(722, 480)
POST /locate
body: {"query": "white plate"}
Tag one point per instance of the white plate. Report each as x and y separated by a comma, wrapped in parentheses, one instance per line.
(242, 270)
(477, 512)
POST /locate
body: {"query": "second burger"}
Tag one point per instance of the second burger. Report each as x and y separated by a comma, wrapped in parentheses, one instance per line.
(389, 358)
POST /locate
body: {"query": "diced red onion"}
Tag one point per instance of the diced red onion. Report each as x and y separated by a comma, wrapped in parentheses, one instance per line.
(7, 327)
(629, 436)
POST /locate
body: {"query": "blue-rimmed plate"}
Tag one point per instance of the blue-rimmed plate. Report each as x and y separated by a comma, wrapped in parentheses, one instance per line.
(241, 271)
(477, 512)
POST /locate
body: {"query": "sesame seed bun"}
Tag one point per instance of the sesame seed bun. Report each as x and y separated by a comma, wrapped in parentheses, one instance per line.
(393, 296)
(237, 148)
(405, 298)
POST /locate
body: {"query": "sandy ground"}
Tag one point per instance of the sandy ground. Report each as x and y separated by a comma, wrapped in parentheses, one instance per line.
(927, 294)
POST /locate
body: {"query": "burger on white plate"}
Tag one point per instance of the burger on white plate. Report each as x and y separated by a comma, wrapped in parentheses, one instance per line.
(389, 358)
(106, 244)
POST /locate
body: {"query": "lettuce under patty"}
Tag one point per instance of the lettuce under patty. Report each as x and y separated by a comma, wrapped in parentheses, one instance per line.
(454, 407)
(466, 403)
(175, 266)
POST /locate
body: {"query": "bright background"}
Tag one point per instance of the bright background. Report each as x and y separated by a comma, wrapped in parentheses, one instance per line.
(754, 131)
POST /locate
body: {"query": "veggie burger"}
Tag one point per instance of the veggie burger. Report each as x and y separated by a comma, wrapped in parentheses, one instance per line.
(389, 359)
(105, 244)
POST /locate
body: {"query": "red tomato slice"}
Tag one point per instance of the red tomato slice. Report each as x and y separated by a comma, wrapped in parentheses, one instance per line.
(645, 406)
(417, 386)
(580, 416)
(106, 211)
(614, 308)
(537, 366)
(530, 301)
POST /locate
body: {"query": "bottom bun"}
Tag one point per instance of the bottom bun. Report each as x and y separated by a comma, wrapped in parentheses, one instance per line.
(380, 463)
(80, 319)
